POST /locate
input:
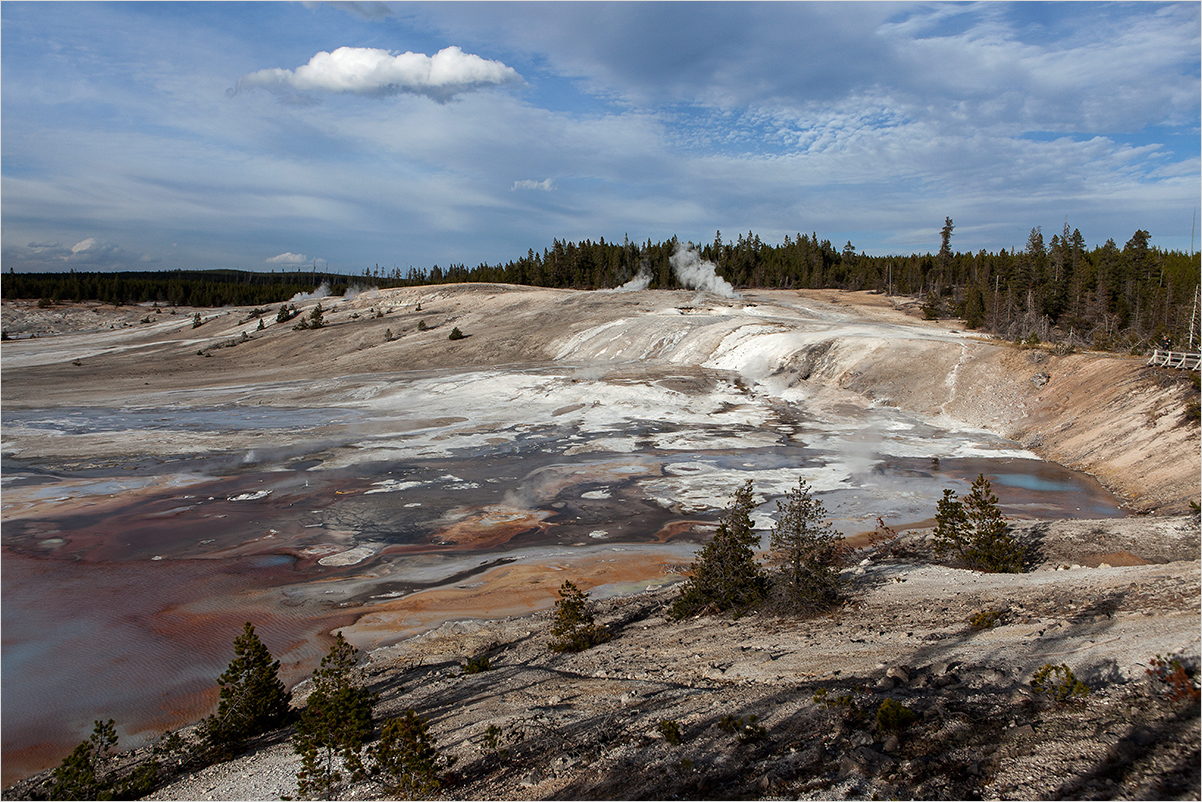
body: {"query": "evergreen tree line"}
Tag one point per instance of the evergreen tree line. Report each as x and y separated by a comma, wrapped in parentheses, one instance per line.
(1106, 297)
(205, 288)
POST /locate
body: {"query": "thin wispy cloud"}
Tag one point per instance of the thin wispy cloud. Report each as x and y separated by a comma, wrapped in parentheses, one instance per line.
(363, 10)
(288, 258)
(372, 72)
(546, 185)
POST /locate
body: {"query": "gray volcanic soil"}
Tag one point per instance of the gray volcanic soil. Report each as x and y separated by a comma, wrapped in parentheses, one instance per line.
(587, 725)
(1107, 596)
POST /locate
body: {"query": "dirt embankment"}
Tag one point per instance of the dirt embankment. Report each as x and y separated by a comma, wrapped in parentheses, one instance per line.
(1107, 415)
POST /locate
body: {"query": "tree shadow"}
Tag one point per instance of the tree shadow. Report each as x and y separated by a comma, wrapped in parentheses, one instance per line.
(1031, 540)
(1177, 776)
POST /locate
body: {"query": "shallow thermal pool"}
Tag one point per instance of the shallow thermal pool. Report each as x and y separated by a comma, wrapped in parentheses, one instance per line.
(134, 552)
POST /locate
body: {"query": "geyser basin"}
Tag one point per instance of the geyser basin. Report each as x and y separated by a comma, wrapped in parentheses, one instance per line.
(398, 499)
(182, 548)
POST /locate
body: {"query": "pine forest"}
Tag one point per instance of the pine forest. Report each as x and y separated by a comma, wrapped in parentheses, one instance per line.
(1129, 298)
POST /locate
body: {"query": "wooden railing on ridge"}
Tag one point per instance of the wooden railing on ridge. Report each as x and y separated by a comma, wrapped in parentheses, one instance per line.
(1185, 360)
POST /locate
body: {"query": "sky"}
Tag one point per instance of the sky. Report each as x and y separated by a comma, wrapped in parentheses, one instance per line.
(269, 136)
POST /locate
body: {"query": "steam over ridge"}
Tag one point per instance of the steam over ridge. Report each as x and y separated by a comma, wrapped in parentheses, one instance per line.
(690, 270)
(697, 274)
(378, 73)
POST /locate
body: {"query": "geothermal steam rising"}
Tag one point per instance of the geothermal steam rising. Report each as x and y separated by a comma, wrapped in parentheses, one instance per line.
(697, 274)
(638, 283)
(321, 292)
(690, 269)
(353, 291)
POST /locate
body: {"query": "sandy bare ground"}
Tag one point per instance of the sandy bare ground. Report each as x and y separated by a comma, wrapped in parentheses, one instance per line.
(587, 725)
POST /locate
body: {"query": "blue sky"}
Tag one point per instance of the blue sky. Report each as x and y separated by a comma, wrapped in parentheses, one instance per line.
(260, 136)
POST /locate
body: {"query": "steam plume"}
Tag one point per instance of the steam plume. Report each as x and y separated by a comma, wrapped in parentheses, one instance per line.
(355, 290)
(321, 292)
(697, 274)
(640, 282)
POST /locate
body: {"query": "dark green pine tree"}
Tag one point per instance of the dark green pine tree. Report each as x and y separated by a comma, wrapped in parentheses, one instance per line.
(253, 698)
(804, 555)
(725, 575)
(974, 307)
(406, 760)
(335, 724)
(81, 774)
(976, 531)
(574, 628)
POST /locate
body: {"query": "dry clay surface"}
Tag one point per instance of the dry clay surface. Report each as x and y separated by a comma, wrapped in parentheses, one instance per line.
(588, 725)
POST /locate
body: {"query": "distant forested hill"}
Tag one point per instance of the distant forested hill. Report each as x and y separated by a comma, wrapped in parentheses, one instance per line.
(1106, 297)
(176, 287)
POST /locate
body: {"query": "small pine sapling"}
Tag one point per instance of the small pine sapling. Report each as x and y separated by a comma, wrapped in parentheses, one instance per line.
(1058, 683)
(988, 618)
(725, 576)
(88, 772)
(893, 716)
(804, 555)
(81, 775)
(975, 530)
(477, 665)
(574, 629)
(406, 760)
(335, 724)
(253, 698)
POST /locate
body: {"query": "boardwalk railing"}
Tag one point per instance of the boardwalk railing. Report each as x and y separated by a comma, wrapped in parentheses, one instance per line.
(1176, 359)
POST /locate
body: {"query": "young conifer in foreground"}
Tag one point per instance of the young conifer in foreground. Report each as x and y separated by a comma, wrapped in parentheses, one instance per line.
(574, 628)
(90, 772)
(406, 761)
(725, 575)
(975, 530)
(335, 724)
(804, 555)
(253, 699)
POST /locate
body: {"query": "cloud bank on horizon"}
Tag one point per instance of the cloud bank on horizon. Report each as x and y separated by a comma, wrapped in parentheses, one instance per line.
(246, 135)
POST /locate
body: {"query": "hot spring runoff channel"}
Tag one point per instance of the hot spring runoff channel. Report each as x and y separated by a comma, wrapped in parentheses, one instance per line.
(127, 577)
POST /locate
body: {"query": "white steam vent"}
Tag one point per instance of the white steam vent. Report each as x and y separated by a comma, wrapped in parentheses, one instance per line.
(637, 284)
(697, 274)
(321, 292)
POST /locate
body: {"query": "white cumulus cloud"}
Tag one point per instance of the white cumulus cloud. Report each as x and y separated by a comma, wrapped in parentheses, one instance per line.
(546, 185)
(288, 258)
(379, 73)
